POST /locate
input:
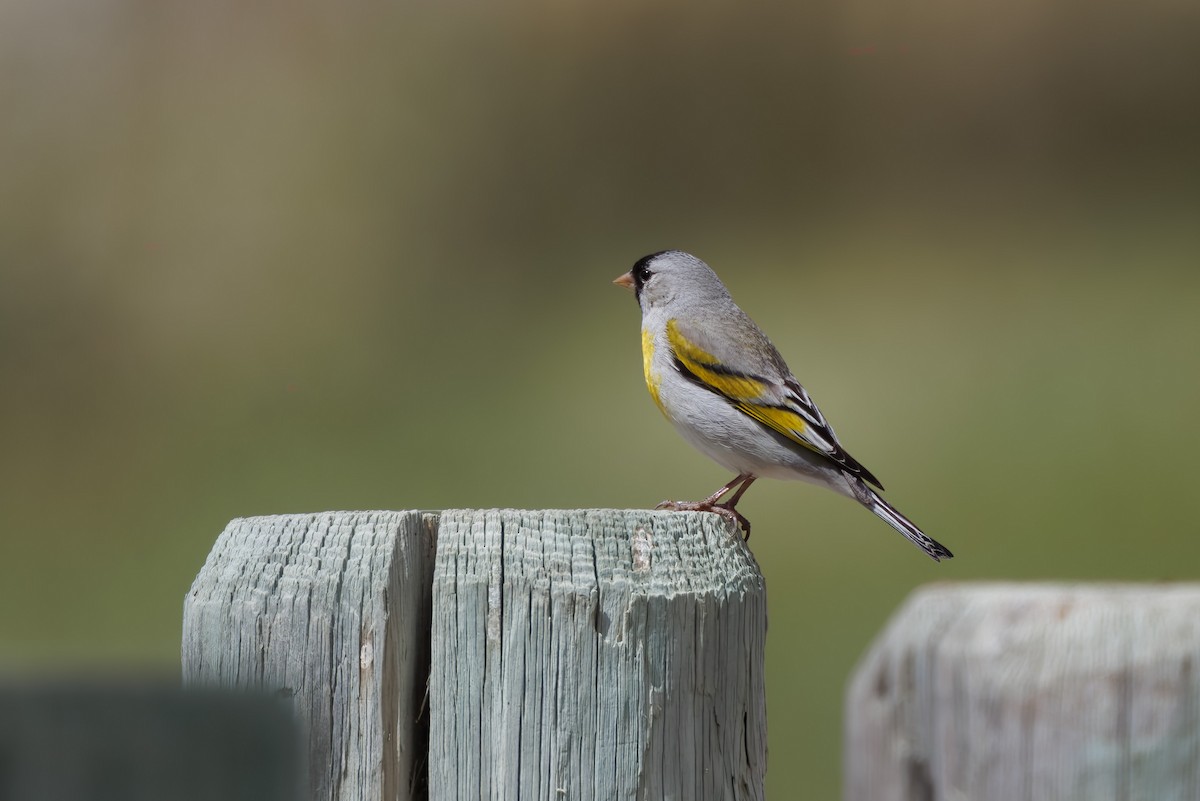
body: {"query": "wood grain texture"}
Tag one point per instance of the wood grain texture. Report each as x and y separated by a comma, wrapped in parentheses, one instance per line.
(596, 654)
(332, 610)
(1007, 692)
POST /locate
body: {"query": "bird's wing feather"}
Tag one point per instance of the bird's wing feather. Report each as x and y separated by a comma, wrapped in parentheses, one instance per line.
(770, 396)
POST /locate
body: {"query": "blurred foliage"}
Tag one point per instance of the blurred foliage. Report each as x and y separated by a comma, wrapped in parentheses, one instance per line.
(261, 258)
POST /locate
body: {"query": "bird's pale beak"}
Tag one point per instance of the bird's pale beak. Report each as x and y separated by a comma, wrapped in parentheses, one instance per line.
(625, 280)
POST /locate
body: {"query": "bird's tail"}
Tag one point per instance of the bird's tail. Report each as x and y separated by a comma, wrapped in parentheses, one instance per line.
(893, 518)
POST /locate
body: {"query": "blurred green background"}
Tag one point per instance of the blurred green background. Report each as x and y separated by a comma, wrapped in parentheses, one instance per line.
(262, 258)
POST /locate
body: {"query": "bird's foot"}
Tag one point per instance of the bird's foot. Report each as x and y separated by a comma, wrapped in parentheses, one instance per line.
(709, 505)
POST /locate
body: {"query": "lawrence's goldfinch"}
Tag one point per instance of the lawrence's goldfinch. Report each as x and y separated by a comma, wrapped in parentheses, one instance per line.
(726, 389)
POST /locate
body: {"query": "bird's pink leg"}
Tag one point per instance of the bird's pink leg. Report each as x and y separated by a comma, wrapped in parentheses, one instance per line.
(710, 504)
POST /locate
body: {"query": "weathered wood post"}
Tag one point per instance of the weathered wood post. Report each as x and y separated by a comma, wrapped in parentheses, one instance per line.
(996, 692)
(331, 610)
(596, 655)
(590, 654)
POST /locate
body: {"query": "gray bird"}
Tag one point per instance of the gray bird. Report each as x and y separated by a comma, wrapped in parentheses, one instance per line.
(719, 380)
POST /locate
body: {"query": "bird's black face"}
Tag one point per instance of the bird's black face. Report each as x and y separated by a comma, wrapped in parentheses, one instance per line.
(642, 273)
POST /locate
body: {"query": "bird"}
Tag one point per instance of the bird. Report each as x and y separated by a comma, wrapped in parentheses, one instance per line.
(716, 377)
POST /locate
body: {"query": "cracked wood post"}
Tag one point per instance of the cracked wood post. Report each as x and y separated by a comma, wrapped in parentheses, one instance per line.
(332, 611)
(1046, 692)
(593, 655)
(586, 654)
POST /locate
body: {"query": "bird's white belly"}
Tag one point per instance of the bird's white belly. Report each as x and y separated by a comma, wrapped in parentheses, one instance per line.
(740, 444)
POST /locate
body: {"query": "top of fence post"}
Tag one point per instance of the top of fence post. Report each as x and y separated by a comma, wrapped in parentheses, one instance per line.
(583, 654)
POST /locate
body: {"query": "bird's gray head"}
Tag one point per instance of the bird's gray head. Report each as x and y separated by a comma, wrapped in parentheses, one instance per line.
(660, 278)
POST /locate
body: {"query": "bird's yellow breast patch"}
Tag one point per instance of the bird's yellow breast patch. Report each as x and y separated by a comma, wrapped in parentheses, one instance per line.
(652, 378)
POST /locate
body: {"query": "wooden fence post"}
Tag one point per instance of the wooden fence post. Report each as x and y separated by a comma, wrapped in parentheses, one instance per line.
(995, 692)
(331, 610)
(596, 655)
(587, 654)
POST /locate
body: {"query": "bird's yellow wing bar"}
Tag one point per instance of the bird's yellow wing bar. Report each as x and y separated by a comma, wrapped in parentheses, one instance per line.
(748, 393)
(785, 409)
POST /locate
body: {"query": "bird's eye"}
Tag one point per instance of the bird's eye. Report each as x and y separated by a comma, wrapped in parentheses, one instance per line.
(641, 271)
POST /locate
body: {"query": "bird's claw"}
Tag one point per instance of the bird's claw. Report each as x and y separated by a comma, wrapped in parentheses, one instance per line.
(728, 512)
